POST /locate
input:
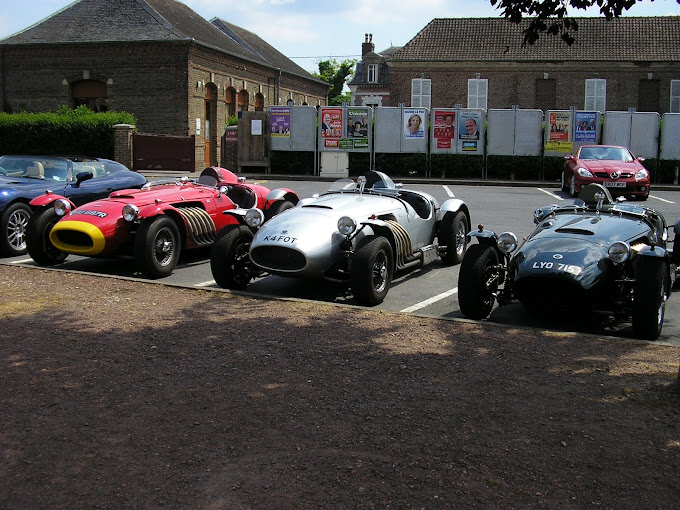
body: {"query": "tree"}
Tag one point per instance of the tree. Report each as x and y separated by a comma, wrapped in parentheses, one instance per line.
(336, 74)
(550, 16)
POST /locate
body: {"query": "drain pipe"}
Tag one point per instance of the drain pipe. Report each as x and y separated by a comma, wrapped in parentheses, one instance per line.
(278, 85)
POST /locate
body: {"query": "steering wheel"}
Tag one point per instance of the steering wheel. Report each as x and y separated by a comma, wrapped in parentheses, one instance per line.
(3, 171)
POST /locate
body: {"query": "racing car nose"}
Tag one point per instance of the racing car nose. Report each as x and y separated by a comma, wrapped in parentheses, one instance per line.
(78, 238)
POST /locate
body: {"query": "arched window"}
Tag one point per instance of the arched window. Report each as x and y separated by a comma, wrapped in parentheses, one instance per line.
(243, 101)
(230, 100)
(259, 102)
(90, 93)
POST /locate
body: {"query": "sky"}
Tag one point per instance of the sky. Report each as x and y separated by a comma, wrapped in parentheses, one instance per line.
(308, 31)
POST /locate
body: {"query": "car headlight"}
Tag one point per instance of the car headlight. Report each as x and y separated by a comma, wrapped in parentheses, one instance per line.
(507, 242)
(254, 217)
(642, 175)
(583, 172)
(62, 207)
(130, 212)
(346, 225)
(619, 252)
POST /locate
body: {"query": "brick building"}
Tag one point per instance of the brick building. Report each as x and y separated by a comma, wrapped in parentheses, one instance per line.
(178, 73)
(370, 84)
(629, 62)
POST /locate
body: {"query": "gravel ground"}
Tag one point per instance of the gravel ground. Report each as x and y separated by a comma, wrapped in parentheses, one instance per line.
(121, 394)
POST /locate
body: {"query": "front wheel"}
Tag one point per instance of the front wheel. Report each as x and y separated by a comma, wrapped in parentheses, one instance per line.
(453, 234)
(278, 208)
(157, 247)
(572, 188)
(372, 267)
(649, 304)
(38, 243)
(230, 258)
(13, 223)
(478, 281)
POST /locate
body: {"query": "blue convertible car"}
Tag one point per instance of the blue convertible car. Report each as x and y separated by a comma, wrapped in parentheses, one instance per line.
(81, 179)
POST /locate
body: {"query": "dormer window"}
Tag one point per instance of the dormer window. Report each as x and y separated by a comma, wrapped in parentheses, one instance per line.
(372, 73)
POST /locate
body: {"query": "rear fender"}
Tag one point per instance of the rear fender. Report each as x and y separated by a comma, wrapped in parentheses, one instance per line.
(48, 199)
(455, 205)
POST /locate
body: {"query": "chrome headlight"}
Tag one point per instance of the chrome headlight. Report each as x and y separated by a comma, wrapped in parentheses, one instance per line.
(62, 207)
(254, 217)
(130, 212)
(507, 242)
(346, 225)
(583, 172)
(642, 175)
(619, 252)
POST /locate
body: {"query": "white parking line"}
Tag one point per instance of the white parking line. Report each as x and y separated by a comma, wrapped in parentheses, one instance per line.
(448, 191)
(204, 284)
(550, 193)
(662, 199)
(22, 261)
(427, 302)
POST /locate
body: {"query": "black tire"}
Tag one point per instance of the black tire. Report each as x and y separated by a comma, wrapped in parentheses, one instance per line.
(229, 257)
(563, 185)
(453, 232)
(14, 221)
(572, 188)
(157, 247)
(372, 267)
(278, 208)
(38, 243)
(475, 297)
(649, 305)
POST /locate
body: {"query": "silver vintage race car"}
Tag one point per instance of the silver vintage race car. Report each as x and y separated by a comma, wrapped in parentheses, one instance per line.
(359, 232)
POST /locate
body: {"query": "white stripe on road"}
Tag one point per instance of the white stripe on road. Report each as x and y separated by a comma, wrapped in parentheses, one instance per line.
(427, 302)
(204, 284)
(22, 261)
(550, 193)
(662, 199)
(449, 192)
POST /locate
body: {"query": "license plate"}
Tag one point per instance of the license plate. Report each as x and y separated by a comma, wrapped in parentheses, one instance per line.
(557, 266)
(614, 184)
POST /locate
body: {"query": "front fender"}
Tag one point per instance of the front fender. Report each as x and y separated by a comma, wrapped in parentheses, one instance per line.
(649, 252)
(282, 194)
(48, 199)
(238, 213)
(152, 210)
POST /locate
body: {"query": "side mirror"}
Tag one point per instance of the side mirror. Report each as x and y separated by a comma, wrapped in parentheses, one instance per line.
(83, 176)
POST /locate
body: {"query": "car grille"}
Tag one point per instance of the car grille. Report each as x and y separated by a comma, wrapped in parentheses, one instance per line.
(605, 175)
(278, 258)
(74, 238)
(557, 292)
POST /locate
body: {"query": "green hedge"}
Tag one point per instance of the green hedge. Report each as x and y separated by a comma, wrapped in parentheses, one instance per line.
(67, 132)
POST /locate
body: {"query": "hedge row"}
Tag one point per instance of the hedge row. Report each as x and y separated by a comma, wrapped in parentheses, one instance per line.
(67, 132)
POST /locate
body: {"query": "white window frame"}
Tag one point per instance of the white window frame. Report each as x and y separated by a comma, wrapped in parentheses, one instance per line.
(675, 97)
(596, 95)
(421, 92)
(478, 93)
(372, 73)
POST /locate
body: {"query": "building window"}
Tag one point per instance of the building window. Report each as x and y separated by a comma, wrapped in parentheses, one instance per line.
(421, 92)
(675, 96)
(596, 95)
(478, 92)
(372, 73)
(90, 93)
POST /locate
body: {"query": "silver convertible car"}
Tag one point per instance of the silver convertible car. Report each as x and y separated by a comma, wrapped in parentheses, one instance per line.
(358, 232)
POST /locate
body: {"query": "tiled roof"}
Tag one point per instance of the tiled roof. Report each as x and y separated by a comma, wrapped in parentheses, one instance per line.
(86, 21)
(655, 39)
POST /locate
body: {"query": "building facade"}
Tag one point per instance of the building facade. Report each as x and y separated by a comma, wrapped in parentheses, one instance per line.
(178, 73)
(370, 85)
(629, 62)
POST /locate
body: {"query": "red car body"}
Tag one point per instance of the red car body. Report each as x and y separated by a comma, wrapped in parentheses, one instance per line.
(169, 217)
(612, 166)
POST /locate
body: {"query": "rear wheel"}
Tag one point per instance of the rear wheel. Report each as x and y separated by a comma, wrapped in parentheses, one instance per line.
(453, 234)
(649, 303)
(38, 243)
(371, 271)
(13, 222)
(229, 257)
(157, 247)
(278, 208)
(476, 281)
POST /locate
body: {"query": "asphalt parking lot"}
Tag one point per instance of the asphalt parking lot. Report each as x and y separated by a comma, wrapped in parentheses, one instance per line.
(431, 291)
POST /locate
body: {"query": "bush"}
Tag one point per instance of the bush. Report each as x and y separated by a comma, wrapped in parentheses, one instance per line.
(66, 132)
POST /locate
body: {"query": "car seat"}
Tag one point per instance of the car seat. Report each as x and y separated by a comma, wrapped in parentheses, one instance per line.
(242, 196)
(208, 177)
(35, 170)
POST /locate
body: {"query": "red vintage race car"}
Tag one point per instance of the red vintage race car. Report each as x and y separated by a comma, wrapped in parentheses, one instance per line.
(153, 223)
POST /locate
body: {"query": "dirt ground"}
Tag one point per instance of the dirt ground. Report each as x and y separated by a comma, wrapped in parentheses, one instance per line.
(121, 394)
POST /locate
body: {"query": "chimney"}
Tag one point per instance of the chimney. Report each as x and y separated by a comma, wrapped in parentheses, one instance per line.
(368, 45)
